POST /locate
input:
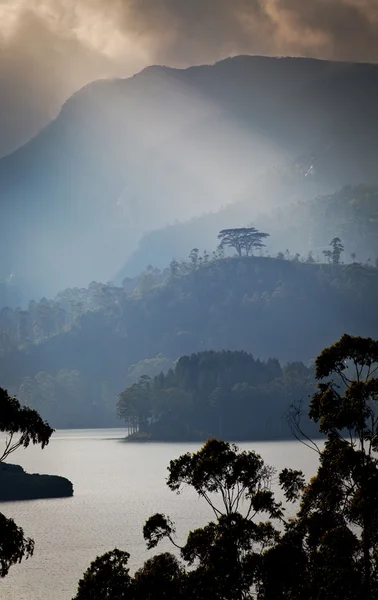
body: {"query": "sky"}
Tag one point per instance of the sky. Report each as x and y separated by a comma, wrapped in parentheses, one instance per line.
(50, 48)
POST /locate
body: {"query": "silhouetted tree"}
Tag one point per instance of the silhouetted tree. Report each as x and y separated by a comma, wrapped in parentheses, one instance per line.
(328, 551)
(337, 249)
(107, 578)
(22, 426)
(162, 577)
(333, 541)
(242, 239)
(226, 553)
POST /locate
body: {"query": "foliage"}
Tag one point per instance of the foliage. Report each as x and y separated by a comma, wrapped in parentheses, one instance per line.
(22, 422)
(206, 394)
(337, 249)
(13, 545)
(250, 549)
(224, 557)
(335, 533)
(29, 428)
(245, 239)
(265, 306)
(161, 578)
(107, 578)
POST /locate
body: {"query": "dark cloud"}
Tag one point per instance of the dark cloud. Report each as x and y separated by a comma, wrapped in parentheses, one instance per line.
(342, 29)
(49, 48)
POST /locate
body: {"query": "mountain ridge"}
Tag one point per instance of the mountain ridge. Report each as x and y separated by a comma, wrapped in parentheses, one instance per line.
(128, 155)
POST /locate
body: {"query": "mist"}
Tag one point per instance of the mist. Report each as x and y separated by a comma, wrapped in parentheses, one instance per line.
(51, 48)
(189, 252)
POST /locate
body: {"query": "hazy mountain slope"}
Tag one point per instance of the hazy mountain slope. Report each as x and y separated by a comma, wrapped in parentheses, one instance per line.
(125, 156)
(266, 306)
(302, 226)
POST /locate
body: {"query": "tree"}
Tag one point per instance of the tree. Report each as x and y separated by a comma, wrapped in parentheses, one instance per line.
(22, 426)
(242, 239)
(335, 533)
(22, 423)
(226, 555)
(14, 546)
(134, 404)
(193, 257)
(337, 249)
(328, 255)
(348, 415)
(162, 577)
(107, 578)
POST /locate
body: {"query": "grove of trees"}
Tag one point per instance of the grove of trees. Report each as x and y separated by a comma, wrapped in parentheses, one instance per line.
(225, 394)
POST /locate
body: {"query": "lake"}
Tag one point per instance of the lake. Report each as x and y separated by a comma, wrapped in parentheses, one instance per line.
(117, 486)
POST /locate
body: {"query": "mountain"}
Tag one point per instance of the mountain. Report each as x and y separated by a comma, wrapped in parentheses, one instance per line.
(127, 156)
(71, 357)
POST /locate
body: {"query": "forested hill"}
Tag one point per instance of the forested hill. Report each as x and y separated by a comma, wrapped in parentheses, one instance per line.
(203, 135)
(86, 341)
(351, 213)
(228, 395)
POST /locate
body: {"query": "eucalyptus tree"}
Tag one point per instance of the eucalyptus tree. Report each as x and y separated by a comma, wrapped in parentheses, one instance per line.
(22, 426)
(333, 540)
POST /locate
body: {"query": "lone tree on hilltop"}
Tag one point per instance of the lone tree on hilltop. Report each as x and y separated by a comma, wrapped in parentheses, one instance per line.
(243, 239)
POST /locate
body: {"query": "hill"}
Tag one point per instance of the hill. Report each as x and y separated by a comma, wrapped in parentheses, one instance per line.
(303, 226)
(228, 395)
(70, 358)
(126, 156)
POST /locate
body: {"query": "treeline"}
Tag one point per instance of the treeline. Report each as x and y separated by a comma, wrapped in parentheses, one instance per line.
(48, 317)
(297, 227)
(225, 394)
(265, 306)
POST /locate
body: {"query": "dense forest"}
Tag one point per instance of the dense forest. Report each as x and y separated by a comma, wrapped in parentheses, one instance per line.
(227, 395)
(89, 344)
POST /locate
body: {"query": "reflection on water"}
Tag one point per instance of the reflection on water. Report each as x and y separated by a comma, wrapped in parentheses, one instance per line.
(117, 486)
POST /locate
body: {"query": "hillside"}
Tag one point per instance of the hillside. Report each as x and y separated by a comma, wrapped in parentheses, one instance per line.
(301, 227)
(71, 357)
(127, 156)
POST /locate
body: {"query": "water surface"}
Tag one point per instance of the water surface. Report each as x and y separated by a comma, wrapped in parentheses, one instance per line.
(117, 486)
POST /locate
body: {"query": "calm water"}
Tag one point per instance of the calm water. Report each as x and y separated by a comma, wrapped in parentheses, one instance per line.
(117, 487)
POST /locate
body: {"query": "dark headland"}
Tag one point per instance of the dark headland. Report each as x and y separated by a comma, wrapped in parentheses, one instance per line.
(15, 484)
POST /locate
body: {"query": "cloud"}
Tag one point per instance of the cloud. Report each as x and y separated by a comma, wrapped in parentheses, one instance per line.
(49, 48)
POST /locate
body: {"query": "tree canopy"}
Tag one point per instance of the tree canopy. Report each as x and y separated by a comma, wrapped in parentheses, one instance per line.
(243, 239)
(27, 427)
(207, 393)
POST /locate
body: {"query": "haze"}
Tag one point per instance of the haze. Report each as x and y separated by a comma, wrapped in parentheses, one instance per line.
(51, 48)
